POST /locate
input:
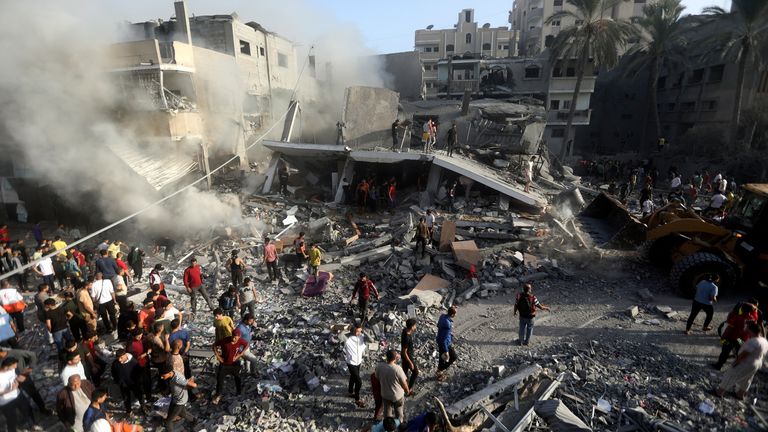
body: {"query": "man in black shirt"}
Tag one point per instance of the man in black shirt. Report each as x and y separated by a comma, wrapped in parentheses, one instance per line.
(395, 126)
(406, 351)
(57, 323)
(107, 265)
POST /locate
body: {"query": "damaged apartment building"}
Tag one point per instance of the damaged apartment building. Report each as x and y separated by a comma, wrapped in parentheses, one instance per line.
(199, 90)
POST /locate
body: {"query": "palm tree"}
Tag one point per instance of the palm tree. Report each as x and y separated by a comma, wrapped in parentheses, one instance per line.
(744, 37)
(662, 43)
(594, 34)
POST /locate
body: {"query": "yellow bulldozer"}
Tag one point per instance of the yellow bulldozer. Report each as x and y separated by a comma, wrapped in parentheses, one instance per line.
(692, 246)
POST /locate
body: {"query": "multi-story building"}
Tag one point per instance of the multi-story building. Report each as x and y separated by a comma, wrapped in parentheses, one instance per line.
(528, 18)
(466, 40)
(552, 84)
(212, 81)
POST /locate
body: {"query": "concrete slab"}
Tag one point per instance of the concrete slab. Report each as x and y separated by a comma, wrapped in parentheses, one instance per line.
(447, 235)
(466, 253)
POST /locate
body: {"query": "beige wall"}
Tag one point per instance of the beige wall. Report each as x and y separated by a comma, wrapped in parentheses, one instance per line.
(132, 54)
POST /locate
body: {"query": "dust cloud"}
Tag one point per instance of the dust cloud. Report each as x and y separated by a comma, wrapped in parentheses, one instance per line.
(57, 109)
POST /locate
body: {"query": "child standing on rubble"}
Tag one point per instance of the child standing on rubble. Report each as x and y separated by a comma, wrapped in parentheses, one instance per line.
(315, 257)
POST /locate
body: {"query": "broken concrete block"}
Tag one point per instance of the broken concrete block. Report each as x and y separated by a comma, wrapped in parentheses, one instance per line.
(510, 283)
(498, 370)
(466, 253)
(503, 202)
(373, 346)
(645, 295)
(663, 309)
(319, 224)
(533, 277)
(447, 235)
(633, 311)
(491, 286)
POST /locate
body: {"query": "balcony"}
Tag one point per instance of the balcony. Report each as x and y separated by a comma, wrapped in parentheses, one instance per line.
(560, 117)
(535, 13)
(152, 54)
(458, 87)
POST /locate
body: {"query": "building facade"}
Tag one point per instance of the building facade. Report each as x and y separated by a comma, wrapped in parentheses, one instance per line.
(466, 40)
(528, 20)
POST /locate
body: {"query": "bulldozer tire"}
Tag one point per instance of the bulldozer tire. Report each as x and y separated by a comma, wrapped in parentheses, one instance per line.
(660, 251)
(690, 270)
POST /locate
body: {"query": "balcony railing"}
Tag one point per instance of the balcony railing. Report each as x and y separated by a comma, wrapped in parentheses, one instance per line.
(561, 116)
(459, 86)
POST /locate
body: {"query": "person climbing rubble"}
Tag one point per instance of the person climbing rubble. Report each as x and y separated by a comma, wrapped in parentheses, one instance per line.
(364, 287)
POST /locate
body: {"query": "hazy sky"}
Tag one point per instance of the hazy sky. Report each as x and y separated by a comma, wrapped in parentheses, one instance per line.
(384, 26)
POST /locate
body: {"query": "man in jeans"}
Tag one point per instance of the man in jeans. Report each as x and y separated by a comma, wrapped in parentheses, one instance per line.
(56, 323)
(407, 351)
(103, 295)
(706, 296)
(394, 386)
(354, 348)
(270, 258)
(526, 303)
(445, 342)
(246, 329)
(193, 282)
(228, 352)
(179, 397)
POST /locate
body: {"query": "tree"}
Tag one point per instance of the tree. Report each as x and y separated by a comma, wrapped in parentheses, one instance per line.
(744, 38)
(593, 34)
(662, 44)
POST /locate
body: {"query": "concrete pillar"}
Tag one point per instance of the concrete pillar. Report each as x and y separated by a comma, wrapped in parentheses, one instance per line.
(183, 33)
(433, 181)
(271, 172)
(346, 172)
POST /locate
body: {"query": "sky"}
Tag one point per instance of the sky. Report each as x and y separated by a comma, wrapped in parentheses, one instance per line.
(384, 27)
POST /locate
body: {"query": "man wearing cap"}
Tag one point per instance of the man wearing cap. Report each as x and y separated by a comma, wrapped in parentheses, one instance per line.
(228, 352)
(193, 282)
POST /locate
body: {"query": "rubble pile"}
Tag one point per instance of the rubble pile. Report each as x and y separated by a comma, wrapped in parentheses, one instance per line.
(610, 381)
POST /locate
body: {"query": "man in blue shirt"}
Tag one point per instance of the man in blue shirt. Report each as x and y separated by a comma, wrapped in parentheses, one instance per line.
(705, 298)
(246, 333)
(445, 342)
(424, 422)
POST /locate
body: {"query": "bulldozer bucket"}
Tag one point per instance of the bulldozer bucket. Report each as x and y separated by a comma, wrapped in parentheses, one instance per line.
(610, 224)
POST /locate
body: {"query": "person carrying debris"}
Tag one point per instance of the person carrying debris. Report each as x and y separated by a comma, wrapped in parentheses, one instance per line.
(270, 258)
(445, 342)
(364, 286)
(354, 348)
(237, 266)
(315, 257)
(452, 138)
(526, 303)
(407, 353)
(193, 282)
(706, 296)
(421, 237)
(394, 386)
(300, 249)
(228, 352)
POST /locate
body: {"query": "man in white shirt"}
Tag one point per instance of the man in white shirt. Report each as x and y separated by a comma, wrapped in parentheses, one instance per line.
(73, 367)
(354, 348)
(647, 207)
(103, 295)
(676, 181)
(430, 219)
(45, 269)
(10, 401)
(723, 185)
(717, 201)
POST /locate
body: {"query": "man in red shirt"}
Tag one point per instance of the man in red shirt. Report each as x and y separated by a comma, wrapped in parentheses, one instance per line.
(270, 258)
(392, 195)
(193, 282)
(228, 351)
(364, 286)
(736, 332)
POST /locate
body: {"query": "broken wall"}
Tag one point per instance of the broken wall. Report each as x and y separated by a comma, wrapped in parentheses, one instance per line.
(368, 115)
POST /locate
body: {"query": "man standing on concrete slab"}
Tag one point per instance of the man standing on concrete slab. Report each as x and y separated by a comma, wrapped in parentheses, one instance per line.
(364, 286)
(452, 139)
(430, 219)
(394, 386)
(445, 342)
(193, 282)
(407, 353)
(706, 296)
(354, 348)
(422, 232)
(270, 258)
(526, 303)
(395, 126)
